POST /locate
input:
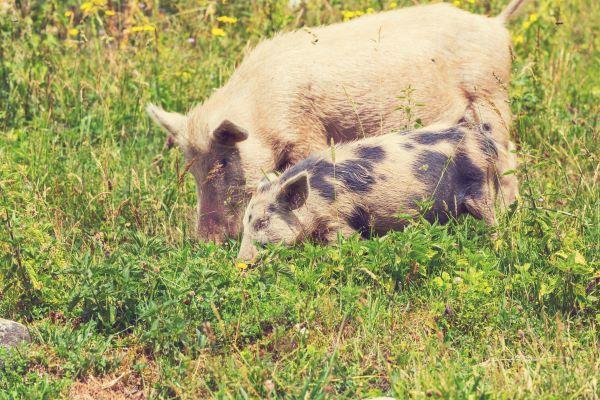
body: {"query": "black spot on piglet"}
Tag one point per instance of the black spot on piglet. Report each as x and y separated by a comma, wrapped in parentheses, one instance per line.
(360, 221)
(429, 167)
(319, 172)
(469, 177)
(356, 175)
(453, 135)
(371, 153)
(319, 169)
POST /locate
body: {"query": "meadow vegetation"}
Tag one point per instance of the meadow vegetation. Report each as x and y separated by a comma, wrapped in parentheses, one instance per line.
(98, 256)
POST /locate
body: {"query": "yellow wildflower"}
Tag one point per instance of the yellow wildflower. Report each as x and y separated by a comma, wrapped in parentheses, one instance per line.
(348, 15)
(217, 32)
(519, 39)
(87, 6)
(471, 1)
(227, 20)
(109, 13)
(69, 14)
(73, 32)
(532, 18)
(143, 28)
(93, 6)
(456, 3)
(241, 266)
(369, 11)
(393, 5)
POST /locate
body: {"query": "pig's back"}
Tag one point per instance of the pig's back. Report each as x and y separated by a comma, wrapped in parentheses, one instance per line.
(363, 46)
(352, 71)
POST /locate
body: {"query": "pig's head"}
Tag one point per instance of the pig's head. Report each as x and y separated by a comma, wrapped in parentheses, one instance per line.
(226, 162)
(275, 214)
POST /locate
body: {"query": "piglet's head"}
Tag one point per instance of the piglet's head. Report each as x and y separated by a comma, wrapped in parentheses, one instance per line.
(224, 160)
(274, 214)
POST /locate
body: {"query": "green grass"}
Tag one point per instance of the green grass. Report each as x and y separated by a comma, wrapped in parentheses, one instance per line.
(97, 255)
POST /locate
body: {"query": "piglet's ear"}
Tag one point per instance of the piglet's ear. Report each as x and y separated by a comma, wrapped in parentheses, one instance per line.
(229, 134)
(173, 123)
(294, 191)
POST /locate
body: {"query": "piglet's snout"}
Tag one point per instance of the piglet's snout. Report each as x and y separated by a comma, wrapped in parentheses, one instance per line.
(247, 253)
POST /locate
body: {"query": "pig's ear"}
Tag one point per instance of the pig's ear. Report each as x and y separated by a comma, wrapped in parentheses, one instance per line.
(294, 191)
(173, 123)
(229, 134)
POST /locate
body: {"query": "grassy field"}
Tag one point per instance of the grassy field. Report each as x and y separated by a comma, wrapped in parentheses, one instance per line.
(98, 258)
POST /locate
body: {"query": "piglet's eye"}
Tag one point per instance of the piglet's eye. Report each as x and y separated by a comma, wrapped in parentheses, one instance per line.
(224, 162)
(261, 223)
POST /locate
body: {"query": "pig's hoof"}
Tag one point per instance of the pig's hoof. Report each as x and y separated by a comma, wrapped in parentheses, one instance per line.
(12, 333)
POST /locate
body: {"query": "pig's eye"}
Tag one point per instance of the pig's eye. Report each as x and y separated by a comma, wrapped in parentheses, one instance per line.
(261, 224)
(224, 162)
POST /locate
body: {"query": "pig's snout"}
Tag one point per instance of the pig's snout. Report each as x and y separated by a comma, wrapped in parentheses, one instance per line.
(216, 229)
(211, 232)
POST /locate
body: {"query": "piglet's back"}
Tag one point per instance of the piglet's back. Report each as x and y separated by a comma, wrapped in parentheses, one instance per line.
(441, 171)
(375, 185)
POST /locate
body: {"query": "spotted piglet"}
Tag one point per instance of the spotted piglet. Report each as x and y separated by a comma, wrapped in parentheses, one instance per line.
(363, 186)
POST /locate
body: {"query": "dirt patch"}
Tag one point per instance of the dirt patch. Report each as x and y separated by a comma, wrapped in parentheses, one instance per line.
(126, 383)
(110, 387)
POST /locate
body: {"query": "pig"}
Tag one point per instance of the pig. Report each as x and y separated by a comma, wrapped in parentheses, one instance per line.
(362, 187)
(300, 91)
